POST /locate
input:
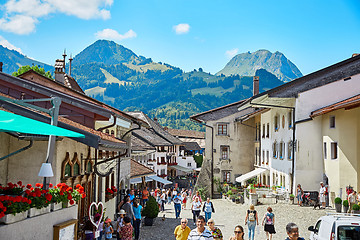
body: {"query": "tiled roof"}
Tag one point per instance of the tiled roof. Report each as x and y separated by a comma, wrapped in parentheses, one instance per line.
(218, 113)
(157, 128)
(139, 145)
(185, 133)
(149, 136)
(349, 103)
(139, 170)
(191, 146)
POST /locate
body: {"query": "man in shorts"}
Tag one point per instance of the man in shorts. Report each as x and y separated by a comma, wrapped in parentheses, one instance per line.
(322, 195)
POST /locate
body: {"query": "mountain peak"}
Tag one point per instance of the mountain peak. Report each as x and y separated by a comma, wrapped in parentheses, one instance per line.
(246, 64)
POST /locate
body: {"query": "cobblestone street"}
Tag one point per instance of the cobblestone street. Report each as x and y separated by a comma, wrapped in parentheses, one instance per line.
(227, 215)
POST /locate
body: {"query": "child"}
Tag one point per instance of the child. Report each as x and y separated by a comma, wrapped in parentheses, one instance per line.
(108, 230)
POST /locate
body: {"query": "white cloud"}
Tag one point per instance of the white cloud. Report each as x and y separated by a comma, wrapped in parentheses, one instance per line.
(19, 24)
(231, 53)
(112, 34)
(182, 28)
(16, 11)
(5, 43)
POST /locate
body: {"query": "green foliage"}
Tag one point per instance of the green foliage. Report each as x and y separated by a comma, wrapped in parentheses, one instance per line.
(356, 207)
(203, 192)
(151, 209)
(229, 192)
(345, 203)
(37, 69)
(199, 160)
(338, 200)
(219, 186)
(292, 196)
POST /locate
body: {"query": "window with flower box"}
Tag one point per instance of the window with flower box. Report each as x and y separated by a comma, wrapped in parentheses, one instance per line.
(276, 123)
(290, 150)
(226, 176)
(290, 119)
(267, 157)
(274, 149)
(281, 150)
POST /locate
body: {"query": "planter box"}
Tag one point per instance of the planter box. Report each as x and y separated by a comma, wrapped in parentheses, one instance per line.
(10, 218)
(55, 206)
(346, 209)
(338, 207)
(32, 212)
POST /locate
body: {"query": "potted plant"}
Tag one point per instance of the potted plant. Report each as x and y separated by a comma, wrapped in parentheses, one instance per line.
(338, 202)
(150, 211)
(346, 206)
(252, 188)
(356, 209)
(292, 197)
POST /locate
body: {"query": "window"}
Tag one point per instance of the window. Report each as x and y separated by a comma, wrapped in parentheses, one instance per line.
(282, 150)
(112, 133)
(263, 133)
(332, 121)
(267, 157)
(226, 176)
(267, 130)
(67, 170)
(290, 146)
(263, 155)
(325, 151)
(89, 167)
(276, 123)
(189, 164)
(256, 156)
(76, 169)
(290, 120)
(224, 152)
(222, 129)
(334, 154)
(275, 150)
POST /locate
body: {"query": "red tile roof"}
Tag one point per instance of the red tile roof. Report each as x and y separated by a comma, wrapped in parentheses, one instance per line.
(185, 133)
(349, 103)
(139, 170)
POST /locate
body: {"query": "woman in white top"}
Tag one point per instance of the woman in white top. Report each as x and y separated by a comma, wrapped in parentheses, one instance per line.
(163, 200)
(196, 208)
(184, 199)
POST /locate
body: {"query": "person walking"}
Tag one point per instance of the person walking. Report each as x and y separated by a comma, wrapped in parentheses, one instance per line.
(299, 194)
(108, 230)
(119, 223)
(208, 208)
(239, 233)
(197, 195)
(89, 230)
(322, 195)
(292, 231)
(196, 208)
(177, 205)
(163, 200)
(126, 232)
(145, 196)
(137, 213)
(352, 200)
(200, 232)
(182, 231)
(251, 220)
(269, 221)
(184, 199)
(169, 197)
(215, 231)
(128, 208)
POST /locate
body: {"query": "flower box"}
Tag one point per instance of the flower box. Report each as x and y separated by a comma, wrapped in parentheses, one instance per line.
(55, 206)
(32, 212)
(10, 218)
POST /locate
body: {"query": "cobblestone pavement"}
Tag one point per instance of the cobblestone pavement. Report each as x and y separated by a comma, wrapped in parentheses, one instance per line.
(227, 215)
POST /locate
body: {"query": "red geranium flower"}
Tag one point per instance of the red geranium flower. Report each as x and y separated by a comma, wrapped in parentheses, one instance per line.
(71, 202)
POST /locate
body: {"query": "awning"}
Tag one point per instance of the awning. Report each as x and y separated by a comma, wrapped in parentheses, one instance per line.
(10, 122)
(138, 180)
(181, 168)
(159, 179)
(197, 169)
(251, 174)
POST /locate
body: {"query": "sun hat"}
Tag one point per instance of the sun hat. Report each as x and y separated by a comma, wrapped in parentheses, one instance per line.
(122, 211)
(108, 220)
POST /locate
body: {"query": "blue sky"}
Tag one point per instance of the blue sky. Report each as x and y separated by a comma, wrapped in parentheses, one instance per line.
(187, 34)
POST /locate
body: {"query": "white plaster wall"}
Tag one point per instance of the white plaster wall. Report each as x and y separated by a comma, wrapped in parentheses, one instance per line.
(328, 94)
(309, 162)
(4, 150)
(39, 227)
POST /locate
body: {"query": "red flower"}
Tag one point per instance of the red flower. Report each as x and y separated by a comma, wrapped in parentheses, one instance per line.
(69, 197)
(78, 185)
(38, 185)
(20, 183)
(48, 197)
(50, 185)
(28, 186)
(71, 202)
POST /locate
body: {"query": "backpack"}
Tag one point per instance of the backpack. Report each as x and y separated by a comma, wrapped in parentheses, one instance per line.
(251, 215)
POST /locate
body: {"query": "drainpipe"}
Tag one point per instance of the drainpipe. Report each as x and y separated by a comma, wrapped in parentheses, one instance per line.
(212, 155)
(293, 137)
(18, 151)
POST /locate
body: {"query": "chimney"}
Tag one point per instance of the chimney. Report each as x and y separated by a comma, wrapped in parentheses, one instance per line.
(64, 56)
(155, 119)
(59, 71)
(1, 65)
(256, 85)
(70, 59)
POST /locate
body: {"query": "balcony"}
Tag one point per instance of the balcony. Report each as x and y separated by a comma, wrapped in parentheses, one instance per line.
(162, 163)
(162, 175)
(172, 164)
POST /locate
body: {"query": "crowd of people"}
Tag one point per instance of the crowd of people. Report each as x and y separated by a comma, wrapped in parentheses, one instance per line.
(127, 226)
